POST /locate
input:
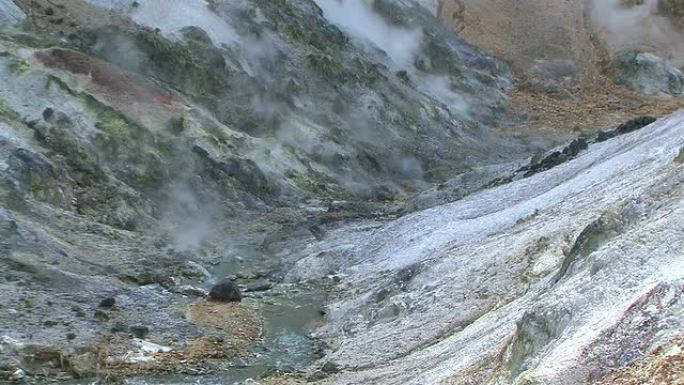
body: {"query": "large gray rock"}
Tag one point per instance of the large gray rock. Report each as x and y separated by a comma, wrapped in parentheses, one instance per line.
(553, 76)
(10, 13)
(649, 74)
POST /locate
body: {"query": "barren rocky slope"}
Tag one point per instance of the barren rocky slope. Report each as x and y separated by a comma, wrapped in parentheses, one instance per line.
(552, 279)
(377, 187)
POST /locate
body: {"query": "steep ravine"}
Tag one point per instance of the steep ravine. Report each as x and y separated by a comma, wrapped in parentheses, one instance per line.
(343, 164)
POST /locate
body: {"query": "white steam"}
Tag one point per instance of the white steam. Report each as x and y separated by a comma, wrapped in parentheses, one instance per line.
(357, 18)
(170, 16)
(189, 222)
(440, 87)
(638, 27)
(402, 45)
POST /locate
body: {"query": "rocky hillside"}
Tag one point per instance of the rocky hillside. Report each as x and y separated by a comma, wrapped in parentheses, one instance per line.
(614, 58)
(145, 142)
(557, 278)
(329, 191)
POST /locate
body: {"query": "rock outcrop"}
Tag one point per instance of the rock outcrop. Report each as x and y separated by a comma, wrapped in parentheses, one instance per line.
(649, 74)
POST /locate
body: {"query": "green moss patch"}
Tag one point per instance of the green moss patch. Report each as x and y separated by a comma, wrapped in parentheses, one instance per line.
(7, 113)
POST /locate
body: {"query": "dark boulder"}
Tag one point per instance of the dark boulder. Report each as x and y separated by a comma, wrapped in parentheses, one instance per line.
(635, 124)
(108, 302)
(574, 148)
(226, 291)
(625, 128)
(140, 331)
(48, 113)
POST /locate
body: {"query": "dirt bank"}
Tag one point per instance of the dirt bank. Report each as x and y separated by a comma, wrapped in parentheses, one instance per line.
(530, 33)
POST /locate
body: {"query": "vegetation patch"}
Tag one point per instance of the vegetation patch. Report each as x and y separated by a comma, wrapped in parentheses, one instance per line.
(19, 66)
(300, 28)
(7, 113)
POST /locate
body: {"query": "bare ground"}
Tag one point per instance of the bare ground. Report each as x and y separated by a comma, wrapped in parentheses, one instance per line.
(664, 366)
(520, 32)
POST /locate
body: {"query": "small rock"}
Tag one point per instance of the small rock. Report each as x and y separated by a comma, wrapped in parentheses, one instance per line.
(136, 358)
(318, 232)
(261, 274)
(140, 331)
(71, 336)
(239, 363)
(84, 365)
(149, 347)
(330, 367)
(108, 302)
(48, 113)
(286, 369)
(17, 375)
(575, 147)
(424, 63)
(226, 291)
(317, 376)
(191, 291)
(259, 286)
(679, 159)
(119, 327)
(194, 269)
(7, 340)
(403, 76)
